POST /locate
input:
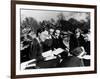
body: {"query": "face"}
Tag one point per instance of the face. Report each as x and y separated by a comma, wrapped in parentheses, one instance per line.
(51, 31)
(86, 37)
(77, 33)
(33, 35)
(43, 35)
(66, 39)
(57, 33)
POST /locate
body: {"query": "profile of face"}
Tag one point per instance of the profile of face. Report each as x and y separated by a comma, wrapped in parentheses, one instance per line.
(51, 31)
(77, 32)
(57, 33)
(86, 37)
(43, 35)
(66, 39)
(32, 34)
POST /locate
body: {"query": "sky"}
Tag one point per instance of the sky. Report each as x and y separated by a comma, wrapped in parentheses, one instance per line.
(41, 15)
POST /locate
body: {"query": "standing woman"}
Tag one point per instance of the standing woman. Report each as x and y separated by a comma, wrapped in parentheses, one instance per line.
(76, 40)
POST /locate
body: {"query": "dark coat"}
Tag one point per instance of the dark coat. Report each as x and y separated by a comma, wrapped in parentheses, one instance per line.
(36, 50)
(57, 42)
(71, 61)
(25, 52)
(47, 45)
(76, 42)
(87, 49)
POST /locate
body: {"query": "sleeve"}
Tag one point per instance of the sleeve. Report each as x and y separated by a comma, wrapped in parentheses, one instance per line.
(36, 51)
(33, 50)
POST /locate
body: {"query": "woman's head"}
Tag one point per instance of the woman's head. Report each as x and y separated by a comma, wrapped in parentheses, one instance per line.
(42, 34)
(51, 30)
(57, 32)
(77, 32)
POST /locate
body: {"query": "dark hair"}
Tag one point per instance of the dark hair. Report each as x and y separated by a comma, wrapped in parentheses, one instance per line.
(40, 30)
(86, 31)
(79, 30)
(51, 28)
(22, 38)
(58, 29)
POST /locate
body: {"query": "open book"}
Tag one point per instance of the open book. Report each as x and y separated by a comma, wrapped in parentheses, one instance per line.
(58, 51)
(48, 55)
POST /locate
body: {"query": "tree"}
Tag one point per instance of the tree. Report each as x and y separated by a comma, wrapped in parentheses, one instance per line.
(29, 23)
(61, 16)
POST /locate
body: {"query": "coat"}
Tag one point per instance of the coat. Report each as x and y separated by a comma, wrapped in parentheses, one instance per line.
(36, 50)
(72, 61)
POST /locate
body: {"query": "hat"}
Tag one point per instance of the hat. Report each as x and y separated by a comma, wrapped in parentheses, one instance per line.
(77, 51)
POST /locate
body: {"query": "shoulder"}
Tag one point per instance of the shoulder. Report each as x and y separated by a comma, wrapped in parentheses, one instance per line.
(34, 41)
(81, 36)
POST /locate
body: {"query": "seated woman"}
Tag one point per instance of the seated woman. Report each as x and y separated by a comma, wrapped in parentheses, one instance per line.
(75, 59)
(87, 49)
(35, 47)
(65, 45)
(37, 50)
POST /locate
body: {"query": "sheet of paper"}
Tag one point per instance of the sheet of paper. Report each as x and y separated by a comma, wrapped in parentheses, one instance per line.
(86, 57)
(50, 58)
(25, 64)
(58, 51)
(47, 53)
